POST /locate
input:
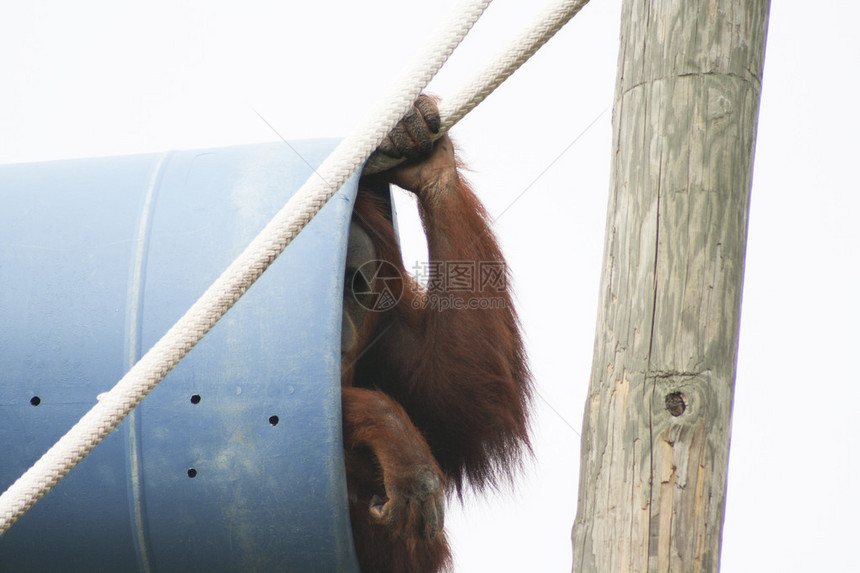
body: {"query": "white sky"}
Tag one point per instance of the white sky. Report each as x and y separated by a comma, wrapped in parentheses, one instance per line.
(95, 78)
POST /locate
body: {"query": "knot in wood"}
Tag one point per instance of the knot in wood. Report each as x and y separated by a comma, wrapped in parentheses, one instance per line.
(675, 403)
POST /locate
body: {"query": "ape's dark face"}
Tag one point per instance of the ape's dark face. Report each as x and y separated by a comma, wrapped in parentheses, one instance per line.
(356, 290)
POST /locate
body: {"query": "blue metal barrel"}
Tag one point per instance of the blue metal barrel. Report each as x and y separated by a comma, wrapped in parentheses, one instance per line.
(234, 462)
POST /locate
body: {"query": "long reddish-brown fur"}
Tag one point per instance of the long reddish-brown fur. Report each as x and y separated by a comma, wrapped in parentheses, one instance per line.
(433, 400)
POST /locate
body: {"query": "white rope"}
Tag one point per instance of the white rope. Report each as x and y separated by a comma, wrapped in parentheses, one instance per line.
(263, 250)
(499, 68)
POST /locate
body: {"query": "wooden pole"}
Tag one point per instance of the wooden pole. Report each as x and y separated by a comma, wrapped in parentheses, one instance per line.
(655, 437)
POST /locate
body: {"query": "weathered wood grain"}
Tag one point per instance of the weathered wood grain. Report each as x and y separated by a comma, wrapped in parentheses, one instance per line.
(655, 437)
